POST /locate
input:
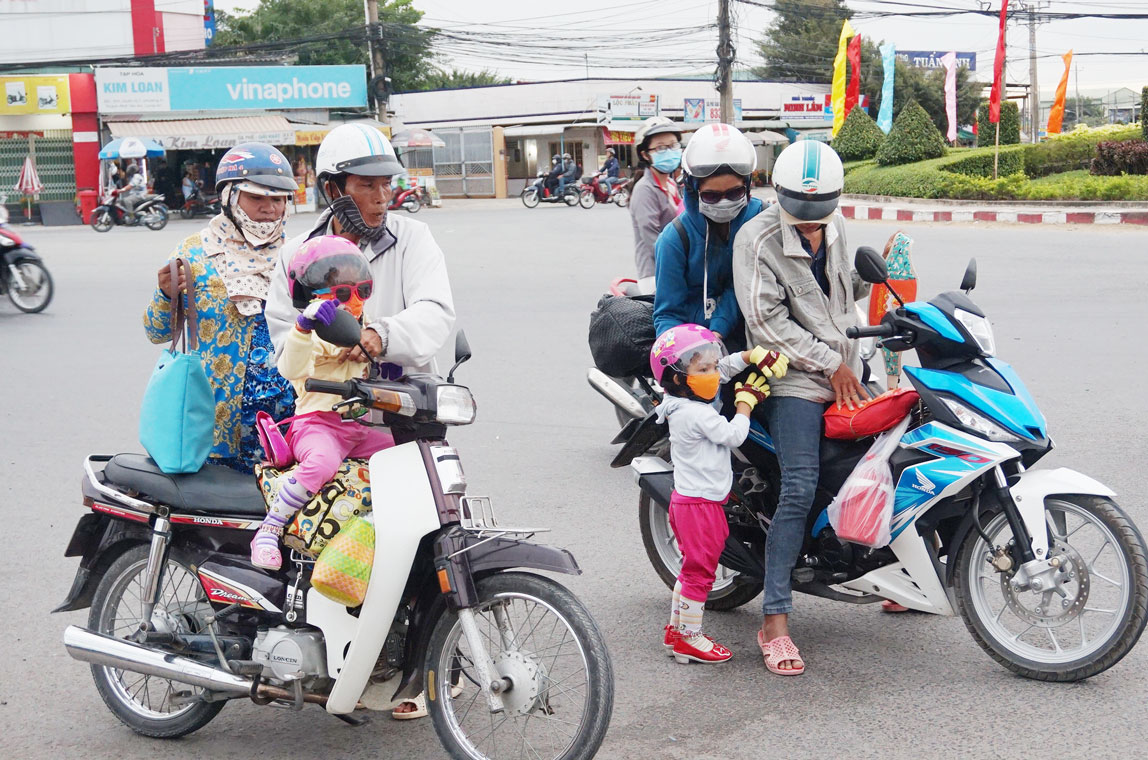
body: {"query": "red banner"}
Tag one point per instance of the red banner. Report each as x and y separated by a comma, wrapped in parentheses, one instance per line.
(1056, 115)
(998, 70)
(853, 91)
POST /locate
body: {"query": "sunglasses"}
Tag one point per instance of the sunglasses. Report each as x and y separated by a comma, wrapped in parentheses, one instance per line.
(343, 292)
(715, 196)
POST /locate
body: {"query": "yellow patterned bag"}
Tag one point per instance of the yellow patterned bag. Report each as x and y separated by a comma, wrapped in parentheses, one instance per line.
(345, 497)
(344, 566)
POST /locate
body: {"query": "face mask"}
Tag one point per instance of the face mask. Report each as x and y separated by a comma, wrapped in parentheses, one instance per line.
(704, 386)
(667, 161)
(255, 233)
(351, 219)
(723, 210)
(353, 306)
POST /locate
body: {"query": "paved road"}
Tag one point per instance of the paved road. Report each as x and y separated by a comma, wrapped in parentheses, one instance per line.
(1069, 308)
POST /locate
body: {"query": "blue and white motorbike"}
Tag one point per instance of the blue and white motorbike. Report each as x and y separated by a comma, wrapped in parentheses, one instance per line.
(1047, 571)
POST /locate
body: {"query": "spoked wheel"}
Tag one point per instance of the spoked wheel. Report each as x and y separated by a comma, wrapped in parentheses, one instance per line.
(148, 705)
(1077, 618)
(530, 197)
(413, 204)
(156, 217)
(102, 220)
(622, 198)
(586, 198)
(547, 647)
(30, 286)
(730, 589)
(571, 196)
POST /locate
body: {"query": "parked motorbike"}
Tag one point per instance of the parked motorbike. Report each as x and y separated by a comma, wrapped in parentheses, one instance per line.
(1048, 572)
(538, 192)
(595, 189)
(410, 199)
(23, 275)
(181, 622)
(150, 212)
(200, 203)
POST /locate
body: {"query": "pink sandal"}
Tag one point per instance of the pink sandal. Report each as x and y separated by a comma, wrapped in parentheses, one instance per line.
(778, 651)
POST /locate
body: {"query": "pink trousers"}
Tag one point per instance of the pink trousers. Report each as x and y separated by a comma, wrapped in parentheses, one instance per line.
(701, 529)
(322, 440)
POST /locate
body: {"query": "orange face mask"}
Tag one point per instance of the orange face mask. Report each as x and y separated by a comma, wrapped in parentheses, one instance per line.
(354, 306)
(704, 386)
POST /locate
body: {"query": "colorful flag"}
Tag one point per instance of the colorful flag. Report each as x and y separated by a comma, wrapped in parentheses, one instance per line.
(1056, 115)
(853, 91)
(998, 69)
(888, 63)
(838, 89)
(949, 61)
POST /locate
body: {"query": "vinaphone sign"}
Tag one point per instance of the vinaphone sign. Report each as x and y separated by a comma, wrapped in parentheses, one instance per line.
(228, 88)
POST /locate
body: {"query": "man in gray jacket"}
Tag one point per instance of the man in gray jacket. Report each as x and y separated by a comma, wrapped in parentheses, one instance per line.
(796, 287)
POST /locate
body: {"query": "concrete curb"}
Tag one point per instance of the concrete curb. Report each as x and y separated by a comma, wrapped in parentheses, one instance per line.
(892, 213)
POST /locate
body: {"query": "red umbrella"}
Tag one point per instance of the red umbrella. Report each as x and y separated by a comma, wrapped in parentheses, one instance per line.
(29, 184)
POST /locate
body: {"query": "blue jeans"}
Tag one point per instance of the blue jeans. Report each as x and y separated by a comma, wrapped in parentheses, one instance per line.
(795, 425)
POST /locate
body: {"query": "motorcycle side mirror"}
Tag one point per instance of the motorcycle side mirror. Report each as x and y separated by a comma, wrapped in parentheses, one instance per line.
(343, 332)
(461, 353)
(870, 265)
(969, 281)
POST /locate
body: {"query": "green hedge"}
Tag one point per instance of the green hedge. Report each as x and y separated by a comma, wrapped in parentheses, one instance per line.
(1010, 125)
(1144, 113)
(859, 137)
(979, 163)
(1072, 150)
(913, 138)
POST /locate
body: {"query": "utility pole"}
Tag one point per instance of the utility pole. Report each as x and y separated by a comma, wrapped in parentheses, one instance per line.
(378, 64)
(1076, 75)
(1033, 89)
(723, 77)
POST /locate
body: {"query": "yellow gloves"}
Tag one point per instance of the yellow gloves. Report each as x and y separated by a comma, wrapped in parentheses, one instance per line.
(753, 391)
(769, 363)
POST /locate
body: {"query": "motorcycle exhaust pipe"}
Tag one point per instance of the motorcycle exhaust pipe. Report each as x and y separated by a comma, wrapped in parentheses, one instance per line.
(98, 649)
(615, 393)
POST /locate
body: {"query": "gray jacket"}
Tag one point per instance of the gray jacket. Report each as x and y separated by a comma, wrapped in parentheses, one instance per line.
(785, 309)
(650, 211)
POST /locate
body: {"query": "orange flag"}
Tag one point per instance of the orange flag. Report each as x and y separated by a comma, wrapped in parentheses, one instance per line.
(1056, 115)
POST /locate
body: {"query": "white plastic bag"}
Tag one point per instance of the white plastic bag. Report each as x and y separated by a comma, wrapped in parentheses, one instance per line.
(862, 513)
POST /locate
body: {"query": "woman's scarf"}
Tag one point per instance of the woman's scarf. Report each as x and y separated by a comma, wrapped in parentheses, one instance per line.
(245, 269)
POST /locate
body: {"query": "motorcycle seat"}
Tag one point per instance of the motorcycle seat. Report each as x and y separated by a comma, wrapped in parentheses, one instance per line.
(214, 490)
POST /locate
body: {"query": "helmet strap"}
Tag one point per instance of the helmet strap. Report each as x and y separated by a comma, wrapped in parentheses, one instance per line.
(351, 219)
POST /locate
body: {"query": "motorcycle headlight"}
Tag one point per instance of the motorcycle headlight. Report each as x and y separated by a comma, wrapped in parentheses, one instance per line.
(979, 423)
(979, 328)
(455, 405)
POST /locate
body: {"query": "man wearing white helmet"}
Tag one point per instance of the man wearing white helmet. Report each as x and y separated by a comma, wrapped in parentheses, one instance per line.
(796, 286)
(410, 313)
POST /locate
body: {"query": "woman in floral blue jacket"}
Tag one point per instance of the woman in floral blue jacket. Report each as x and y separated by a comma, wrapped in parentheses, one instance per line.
(232, 261)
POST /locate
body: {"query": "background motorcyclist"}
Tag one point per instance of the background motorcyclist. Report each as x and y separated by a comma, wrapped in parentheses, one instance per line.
(569, 174)
(557, 168)
(610, 169)
(134, 191)
(655, 198)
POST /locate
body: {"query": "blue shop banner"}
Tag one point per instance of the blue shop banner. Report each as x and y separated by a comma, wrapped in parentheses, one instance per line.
(226, 87)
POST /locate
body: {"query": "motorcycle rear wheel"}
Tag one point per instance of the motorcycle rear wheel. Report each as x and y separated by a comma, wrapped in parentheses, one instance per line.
(622, 198)
(413, 204)
(186, 212)
(544, 640)
(102, 220)
(1046, 636)
(570, 196)
(728, 591)
(37, 293)
(530, 197)
(156, 217)
(144, 703)
(586, 198)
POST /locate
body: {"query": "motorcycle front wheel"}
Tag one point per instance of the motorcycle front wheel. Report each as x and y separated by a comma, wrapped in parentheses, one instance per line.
(1089, 611)
(586, 198)
(156, 217)
(543, 640)
(729, 592)
(151, 706)
(102, 220)
(530, 197)
(36, 292)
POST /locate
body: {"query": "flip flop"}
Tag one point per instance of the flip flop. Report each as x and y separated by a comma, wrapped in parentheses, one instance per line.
(778, 651)
(891, 606)
(420, 703)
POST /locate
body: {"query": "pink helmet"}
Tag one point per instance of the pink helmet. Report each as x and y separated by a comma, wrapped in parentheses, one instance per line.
(324, 262)
(676, 347)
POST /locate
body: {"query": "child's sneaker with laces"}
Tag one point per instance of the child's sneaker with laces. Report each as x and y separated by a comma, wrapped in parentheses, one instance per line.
(699, 648)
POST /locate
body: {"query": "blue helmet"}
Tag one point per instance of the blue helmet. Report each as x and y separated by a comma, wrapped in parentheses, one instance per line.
(259, 163)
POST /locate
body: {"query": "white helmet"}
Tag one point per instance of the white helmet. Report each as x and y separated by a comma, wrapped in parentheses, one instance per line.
(655, 125)
(715, 146)
(356, 149)
(808, 177)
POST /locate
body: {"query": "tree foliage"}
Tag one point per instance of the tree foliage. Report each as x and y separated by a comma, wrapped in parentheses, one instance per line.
(1010, 125)
(859, 138)
(406, 47)
(445, 79)
(914, 137)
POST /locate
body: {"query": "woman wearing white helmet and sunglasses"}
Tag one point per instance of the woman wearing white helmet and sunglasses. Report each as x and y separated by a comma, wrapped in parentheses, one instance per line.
(409, 315)
(794, 280)
(694, 253)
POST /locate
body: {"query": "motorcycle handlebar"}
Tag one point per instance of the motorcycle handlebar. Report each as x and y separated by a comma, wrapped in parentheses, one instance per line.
(344, 390)
(876, 331)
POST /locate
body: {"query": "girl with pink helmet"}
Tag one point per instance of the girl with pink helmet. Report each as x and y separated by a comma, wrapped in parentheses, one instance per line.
(326, 274)
(687, 361)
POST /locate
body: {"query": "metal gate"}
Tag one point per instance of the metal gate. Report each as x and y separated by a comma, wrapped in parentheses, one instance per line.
(51, 152)
(464, 167)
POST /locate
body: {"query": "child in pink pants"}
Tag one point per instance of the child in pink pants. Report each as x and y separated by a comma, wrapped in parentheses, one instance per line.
(687, 361)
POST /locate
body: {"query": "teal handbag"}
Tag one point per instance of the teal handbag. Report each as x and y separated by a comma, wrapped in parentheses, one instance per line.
(177, 418)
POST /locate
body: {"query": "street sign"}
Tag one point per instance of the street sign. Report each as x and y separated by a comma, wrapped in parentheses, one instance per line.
(706, 111)
(619, 107)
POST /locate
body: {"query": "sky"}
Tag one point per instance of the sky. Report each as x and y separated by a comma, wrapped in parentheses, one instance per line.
(600, 37)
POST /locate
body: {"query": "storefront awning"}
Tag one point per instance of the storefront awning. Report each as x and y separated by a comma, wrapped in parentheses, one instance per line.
(193, 134)
(532, 130)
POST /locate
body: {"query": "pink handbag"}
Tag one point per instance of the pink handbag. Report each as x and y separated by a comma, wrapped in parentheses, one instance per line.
(275, 446)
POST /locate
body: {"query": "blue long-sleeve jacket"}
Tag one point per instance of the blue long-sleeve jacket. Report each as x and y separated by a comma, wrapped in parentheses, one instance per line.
(610, 167)
(678, 298)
